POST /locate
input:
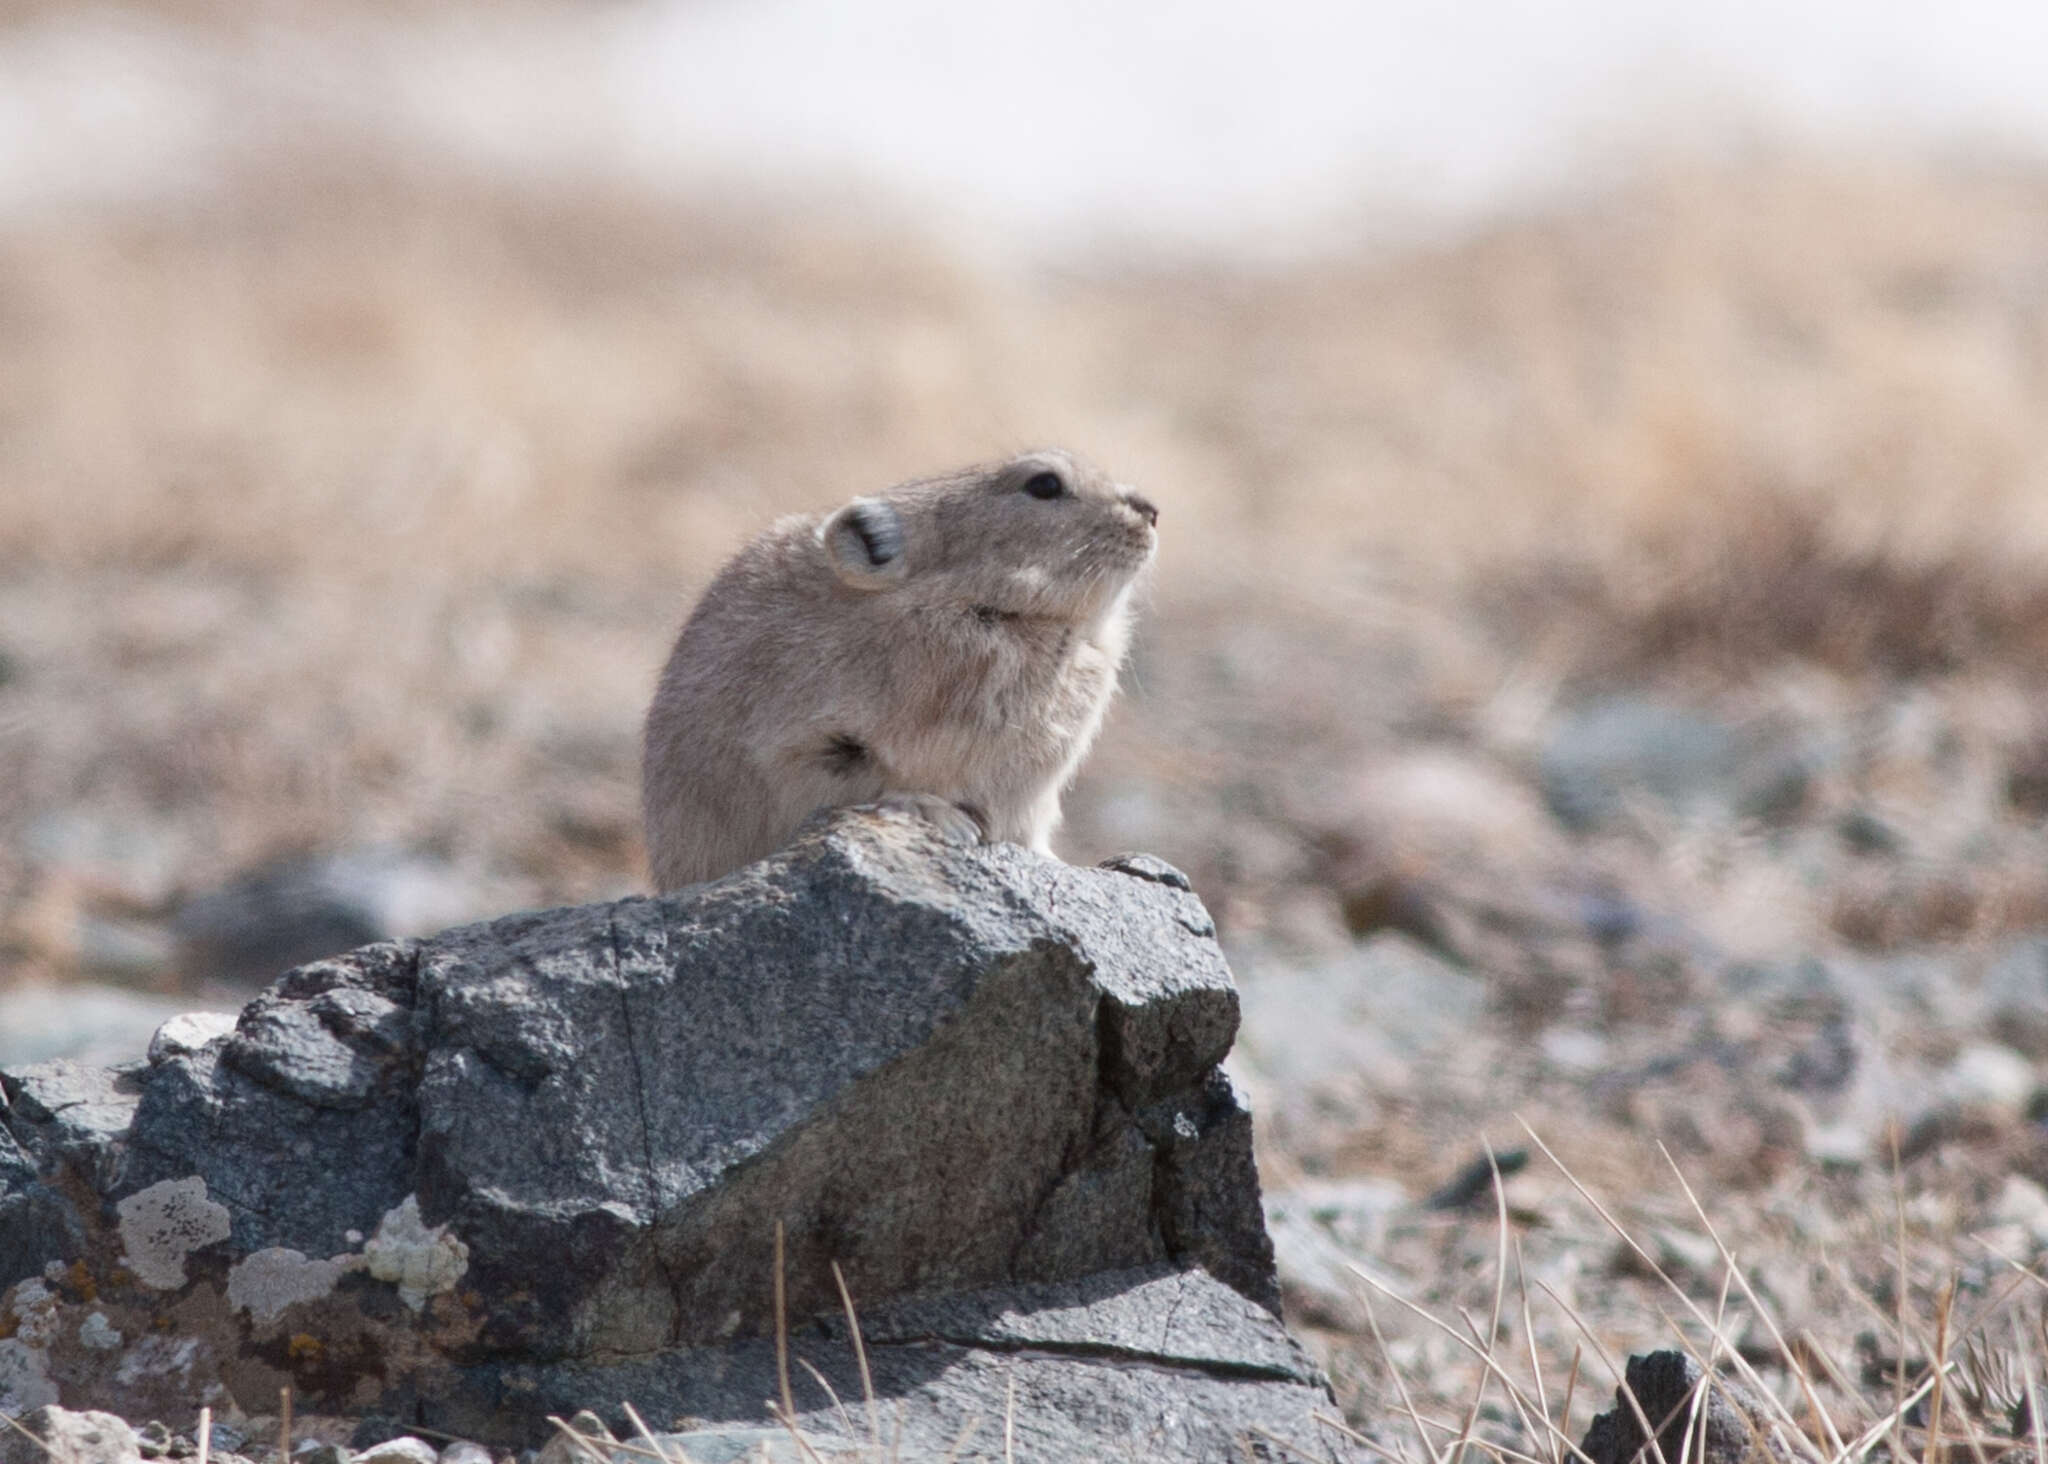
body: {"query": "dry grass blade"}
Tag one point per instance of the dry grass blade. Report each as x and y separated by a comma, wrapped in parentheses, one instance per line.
(1748, 1373)
(582, 1443)
(1840, 1381)
(1286, 1449)
(1339, 1426)
(647, 1434)
(2030, 1390)
(782, 1329)
(1695, 1424)
(1483, 1355)
(1693, 1442)
(860, 1356)
(10, 1420)
(804, 1447)
(784, 1411)
(1696, 1430)
(2025, 1271)
(1899, 1322)
(1500, 1283)
(1891, 1423)
(1010, 1418)
(1735, 1272)
(1525, 1408)
(1529, 1341)
(205, 1434)
(609, 1447)
(1621, 1388)
(1571, 1389)
(284, 1425)
(832, 1393)
(1935, 1450)
(967, 1432)
(1400, 1382)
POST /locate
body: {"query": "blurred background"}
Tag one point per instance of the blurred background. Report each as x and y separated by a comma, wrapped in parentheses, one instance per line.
(1595, 670)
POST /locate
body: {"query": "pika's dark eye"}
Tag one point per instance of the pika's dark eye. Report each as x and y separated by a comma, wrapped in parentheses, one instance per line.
(1046, 485)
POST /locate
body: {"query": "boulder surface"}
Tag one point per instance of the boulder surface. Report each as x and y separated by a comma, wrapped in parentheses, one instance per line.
(539, 1164)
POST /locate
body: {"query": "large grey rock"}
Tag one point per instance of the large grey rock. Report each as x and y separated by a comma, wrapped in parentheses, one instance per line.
(1144, 1365)
(558, 1145)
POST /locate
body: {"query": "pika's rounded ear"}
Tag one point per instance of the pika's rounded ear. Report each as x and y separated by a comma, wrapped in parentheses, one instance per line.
(864, 541)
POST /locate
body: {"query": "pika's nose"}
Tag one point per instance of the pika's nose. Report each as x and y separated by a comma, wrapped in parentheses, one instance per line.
(1143, 505)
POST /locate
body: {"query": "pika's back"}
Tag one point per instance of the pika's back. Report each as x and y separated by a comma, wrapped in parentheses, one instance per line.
(957, 636)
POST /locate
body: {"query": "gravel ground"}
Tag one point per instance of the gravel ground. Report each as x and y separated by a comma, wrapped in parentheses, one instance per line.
(1595, 675)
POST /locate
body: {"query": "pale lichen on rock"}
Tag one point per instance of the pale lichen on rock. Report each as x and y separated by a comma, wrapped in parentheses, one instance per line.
(162, 1225)
(422, 1260)
(274, 1278)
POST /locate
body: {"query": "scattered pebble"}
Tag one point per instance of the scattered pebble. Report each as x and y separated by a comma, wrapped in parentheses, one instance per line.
(1990, 1075)
(403, 1450)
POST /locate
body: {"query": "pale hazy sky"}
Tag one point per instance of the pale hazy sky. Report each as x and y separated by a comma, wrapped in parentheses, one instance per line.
(1046, 121)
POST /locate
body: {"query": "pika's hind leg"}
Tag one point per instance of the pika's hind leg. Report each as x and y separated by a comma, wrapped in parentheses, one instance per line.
(957, 823)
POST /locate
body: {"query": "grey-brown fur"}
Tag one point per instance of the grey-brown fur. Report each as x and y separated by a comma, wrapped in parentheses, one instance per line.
(956, 637)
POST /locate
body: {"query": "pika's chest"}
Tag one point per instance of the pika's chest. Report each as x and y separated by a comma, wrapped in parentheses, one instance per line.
(1031, 684)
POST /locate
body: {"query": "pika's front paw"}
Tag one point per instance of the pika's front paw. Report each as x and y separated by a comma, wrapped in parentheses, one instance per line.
(957, 823)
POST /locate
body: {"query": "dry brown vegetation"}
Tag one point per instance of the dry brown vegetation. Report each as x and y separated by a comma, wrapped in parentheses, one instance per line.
(355, 504)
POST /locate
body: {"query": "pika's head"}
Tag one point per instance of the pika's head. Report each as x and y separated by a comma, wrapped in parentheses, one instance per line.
(1041, 536)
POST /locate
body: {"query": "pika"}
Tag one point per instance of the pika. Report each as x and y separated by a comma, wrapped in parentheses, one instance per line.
(954, 638)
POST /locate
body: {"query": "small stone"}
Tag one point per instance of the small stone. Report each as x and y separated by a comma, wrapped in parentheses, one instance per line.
(225, 1438)
(153, 1440)
(1866, 833)
(2024, 1205)
(1837, 1145)
(402, 1450)
(54, 1433)
(187, 1033)
(317, 1451)
(1990, 1075)
(375, 1429)
(1474, 1186)
(462, 1451)
(1735, 1426)
(1147, 867)
(1574, 1049)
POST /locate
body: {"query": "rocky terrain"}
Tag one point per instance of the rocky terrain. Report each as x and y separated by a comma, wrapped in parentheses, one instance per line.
(642, 1151)
(1594, 679)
